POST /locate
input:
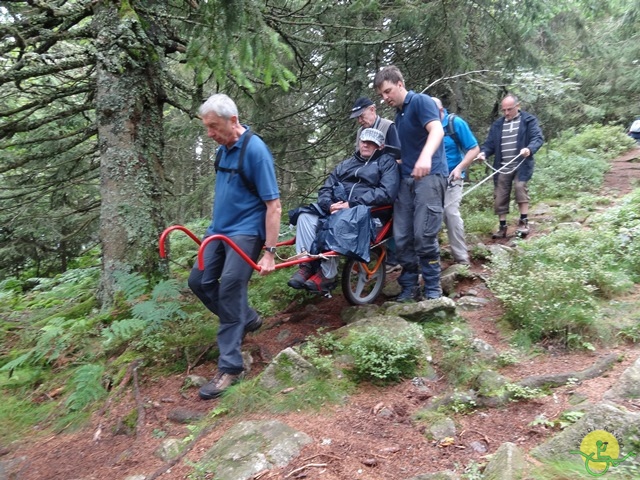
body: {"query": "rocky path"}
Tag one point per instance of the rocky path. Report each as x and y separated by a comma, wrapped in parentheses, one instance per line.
(372, 436)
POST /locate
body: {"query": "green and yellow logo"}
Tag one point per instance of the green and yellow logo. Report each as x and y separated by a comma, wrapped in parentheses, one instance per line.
(600, 450)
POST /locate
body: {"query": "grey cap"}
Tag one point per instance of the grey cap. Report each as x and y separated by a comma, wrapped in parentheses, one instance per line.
(372, 135)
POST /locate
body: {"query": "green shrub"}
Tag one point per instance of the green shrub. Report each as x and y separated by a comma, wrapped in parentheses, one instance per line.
(383, 358)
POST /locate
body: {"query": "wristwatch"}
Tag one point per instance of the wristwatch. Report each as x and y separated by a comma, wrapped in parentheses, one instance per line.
(270, 249)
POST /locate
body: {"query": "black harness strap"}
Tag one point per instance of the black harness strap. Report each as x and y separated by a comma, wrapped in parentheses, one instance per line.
(247, 183)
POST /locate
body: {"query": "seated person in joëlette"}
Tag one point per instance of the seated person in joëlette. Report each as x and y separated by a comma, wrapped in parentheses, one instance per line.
(370, 177)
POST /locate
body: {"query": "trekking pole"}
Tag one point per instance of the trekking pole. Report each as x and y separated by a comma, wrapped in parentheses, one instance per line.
(488, 177)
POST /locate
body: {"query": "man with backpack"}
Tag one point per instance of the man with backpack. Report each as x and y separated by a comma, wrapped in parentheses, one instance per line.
(461, 148)
(247, 210)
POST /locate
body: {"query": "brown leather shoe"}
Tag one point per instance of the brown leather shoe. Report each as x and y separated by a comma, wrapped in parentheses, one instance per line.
(523, 228)
(501, 233)
(220, 382)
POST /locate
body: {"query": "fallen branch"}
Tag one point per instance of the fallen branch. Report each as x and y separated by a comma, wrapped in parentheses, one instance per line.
(559, 379)
(305, 466)
(197, 360)
(140, 406)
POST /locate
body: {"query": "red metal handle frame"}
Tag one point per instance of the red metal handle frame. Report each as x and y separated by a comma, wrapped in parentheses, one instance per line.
(246, 257)
(203, 244)
(167, 231)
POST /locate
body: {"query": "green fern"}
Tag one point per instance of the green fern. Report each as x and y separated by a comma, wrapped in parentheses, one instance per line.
(87, 387)
(122, 331)
(132, 285)
(17, 362)
(166, 290)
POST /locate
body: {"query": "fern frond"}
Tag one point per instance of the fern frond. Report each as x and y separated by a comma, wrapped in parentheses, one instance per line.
(122, 330)
(87, 387)
(166, 290)
(133, 285)
(17, 362)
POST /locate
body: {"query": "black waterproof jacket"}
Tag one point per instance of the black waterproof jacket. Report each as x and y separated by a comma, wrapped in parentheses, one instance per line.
(372, 182)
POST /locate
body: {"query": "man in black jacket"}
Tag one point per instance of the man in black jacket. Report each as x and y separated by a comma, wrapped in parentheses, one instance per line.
(513, 139)
(369, 177)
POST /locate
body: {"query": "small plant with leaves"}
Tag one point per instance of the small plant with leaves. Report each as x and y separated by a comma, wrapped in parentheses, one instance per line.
(383, 358)
(519, 392)
(319, 351)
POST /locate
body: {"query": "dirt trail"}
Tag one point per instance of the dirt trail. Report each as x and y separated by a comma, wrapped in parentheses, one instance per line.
(350, 441)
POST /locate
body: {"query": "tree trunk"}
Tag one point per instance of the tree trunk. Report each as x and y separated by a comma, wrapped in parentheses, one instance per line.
(129, 102)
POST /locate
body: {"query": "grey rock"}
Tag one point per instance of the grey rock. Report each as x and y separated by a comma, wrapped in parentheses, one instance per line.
(442, 429)
(485, 350)
(169, 449)
(427, 310)
(251, 447)
(194, 381)
(490, 383)
(184, 415)
(508, 463)
(392, 325)
(136, 477)
(603, 416)
(627, 386)
(470, 302)
(11, 469)
(287, 369)
(353, 314)
(569, 225)
(478, 447)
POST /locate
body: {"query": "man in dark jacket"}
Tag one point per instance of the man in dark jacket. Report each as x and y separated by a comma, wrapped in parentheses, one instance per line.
(370, 177)
(512, 139)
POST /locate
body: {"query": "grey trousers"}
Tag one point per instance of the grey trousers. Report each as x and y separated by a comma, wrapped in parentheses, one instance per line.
(222, 287)
(305, 235)
(417, 219)
(454, 222)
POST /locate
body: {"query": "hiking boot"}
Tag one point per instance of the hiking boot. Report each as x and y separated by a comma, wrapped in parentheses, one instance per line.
(318, 283)
(501, 233)
(252, 326)
(298, 279)
(221, 381)
(392, 268)
(409, 294)
(523, 228)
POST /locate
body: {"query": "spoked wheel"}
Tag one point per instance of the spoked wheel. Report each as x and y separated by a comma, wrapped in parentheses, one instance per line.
(363, 282)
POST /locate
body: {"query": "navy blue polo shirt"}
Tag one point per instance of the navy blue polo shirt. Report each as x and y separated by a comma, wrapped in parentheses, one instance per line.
(417, 111)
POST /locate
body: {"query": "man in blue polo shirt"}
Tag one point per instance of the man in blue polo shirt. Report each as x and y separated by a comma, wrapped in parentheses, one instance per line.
(246, 209)
(417, 212)
(461, 142)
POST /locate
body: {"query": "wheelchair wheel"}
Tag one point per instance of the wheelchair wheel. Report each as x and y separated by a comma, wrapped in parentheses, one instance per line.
(360, 286)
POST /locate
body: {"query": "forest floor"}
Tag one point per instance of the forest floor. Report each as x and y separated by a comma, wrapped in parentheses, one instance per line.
(349, 441)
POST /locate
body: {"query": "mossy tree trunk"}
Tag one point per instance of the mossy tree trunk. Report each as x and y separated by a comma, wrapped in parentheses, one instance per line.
(129, 102)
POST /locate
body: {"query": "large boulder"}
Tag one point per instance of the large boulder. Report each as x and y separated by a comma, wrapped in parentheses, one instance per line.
(607, 417)
(508, 463)
(251, 447)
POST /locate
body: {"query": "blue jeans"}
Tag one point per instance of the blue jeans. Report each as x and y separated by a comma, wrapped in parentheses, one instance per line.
(222, 287)
(417, 219)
